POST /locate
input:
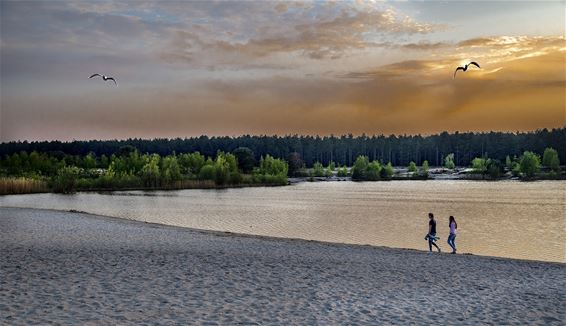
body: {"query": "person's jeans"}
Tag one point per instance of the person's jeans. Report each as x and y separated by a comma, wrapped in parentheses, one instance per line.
(431, 240)
(451, 242)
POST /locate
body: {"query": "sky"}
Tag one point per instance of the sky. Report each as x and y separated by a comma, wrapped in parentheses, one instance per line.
(188, 68)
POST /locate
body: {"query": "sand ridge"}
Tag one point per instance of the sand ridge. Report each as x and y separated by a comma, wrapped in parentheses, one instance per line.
(72, 268)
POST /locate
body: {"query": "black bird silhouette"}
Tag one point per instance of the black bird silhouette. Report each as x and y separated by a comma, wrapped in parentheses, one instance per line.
(465, 67)
(105, 78)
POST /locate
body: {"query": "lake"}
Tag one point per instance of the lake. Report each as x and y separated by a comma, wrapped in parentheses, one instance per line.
(507, 219)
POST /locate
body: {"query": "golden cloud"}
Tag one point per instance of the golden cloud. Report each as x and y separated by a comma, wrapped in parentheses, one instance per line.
(327, 36)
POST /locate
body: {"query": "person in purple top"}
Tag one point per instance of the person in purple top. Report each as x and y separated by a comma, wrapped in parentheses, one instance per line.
(452, 236)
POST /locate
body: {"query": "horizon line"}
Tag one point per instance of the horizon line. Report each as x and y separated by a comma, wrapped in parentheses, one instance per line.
(291, 135)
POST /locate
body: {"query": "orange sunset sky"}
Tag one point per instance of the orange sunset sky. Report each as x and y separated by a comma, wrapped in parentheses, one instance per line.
(231, 68)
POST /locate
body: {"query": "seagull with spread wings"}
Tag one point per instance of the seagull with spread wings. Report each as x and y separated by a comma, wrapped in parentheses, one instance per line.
(105, 78)
(465, 67)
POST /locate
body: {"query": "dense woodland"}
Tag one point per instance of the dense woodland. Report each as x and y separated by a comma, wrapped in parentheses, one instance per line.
(399, 150)
(128, 168)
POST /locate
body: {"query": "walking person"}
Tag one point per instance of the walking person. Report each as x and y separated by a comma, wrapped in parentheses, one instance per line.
(452, 236)
(431, 236)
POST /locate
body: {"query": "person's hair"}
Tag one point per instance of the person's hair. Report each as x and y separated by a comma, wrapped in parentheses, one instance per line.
(430, 215)
(452, 219)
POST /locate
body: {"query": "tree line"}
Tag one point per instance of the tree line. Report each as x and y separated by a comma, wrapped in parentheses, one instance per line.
(128, 168)
(343, 150)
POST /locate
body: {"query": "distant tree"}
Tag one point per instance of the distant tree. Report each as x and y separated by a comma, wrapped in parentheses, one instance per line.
(425, 168)
(331, 166)
(318, 170)
(342, 172)
(373, 171)
(226, 169)
(387, 171)
(359, 169)
(494, 168)
(207, 172)
(550, 159)
(66, 179)
(89, 161)
(104, 161)
(170, 170)
(530, 164)
(125, 150)
(508, 163)
(192, 163)
(246, 159)
(271, 171)
(150, 172)
(479, 165)
(14, 164)
(295, 163)
(221, 169)
(449, 161)
(273, 166)
(412, 167)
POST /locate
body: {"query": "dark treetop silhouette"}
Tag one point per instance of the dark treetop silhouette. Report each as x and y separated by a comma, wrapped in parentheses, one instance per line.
(465, 67)
(105, 78)
(343, 150)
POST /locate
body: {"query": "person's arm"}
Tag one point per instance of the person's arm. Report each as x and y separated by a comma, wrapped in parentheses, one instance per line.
(429, 227)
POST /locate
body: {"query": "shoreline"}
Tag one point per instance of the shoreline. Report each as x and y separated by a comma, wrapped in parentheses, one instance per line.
(293, 181)
(299, 241)
(76, 268)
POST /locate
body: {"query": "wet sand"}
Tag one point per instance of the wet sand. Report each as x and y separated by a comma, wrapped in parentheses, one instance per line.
(73, 268)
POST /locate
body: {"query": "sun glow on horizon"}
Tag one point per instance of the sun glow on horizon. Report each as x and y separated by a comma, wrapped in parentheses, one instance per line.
(193, 68)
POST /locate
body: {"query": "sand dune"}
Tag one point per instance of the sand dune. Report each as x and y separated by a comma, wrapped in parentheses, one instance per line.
(73, 268)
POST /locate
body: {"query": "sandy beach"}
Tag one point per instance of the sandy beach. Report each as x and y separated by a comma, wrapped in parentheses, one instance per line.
(74, 268)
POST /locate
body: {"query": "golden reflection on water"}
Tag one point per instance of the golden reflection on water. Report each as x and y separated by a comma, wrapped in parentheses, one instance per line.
(507, 219)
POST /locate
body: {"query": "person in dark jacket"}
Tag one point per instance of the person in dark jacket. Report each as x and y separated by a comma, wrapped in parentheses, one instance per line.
(431, 236)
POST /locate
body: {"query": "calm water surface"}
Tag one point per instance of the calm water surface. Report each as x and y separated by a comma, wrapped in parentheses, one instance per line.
(506, 219)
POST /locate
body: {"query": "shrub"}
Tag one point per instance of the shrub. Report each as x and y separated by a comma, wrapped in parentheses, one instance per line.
(207, 172)
(271, 171)
(191, 163)
(150, 173)
(66, 179)
(494, 168)
(530, 164)
(550, 159)
(331, 166)
(387, 171)
(479, 165)
(449, 161)
(412, 167)
(425, 168)
(360, 168)
(342, 172)
(318, 170)
(373, 171)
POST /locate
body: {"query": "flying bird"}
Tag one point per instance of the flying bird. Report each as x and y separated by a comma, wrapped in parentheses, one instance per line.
(105, 78)
(465, 67)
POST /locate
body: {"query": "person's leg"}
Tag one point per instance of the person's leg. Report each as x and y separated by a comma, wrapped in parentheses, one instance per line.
(437, 247)
(451, 241)
(454, 242)
(431, 242)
